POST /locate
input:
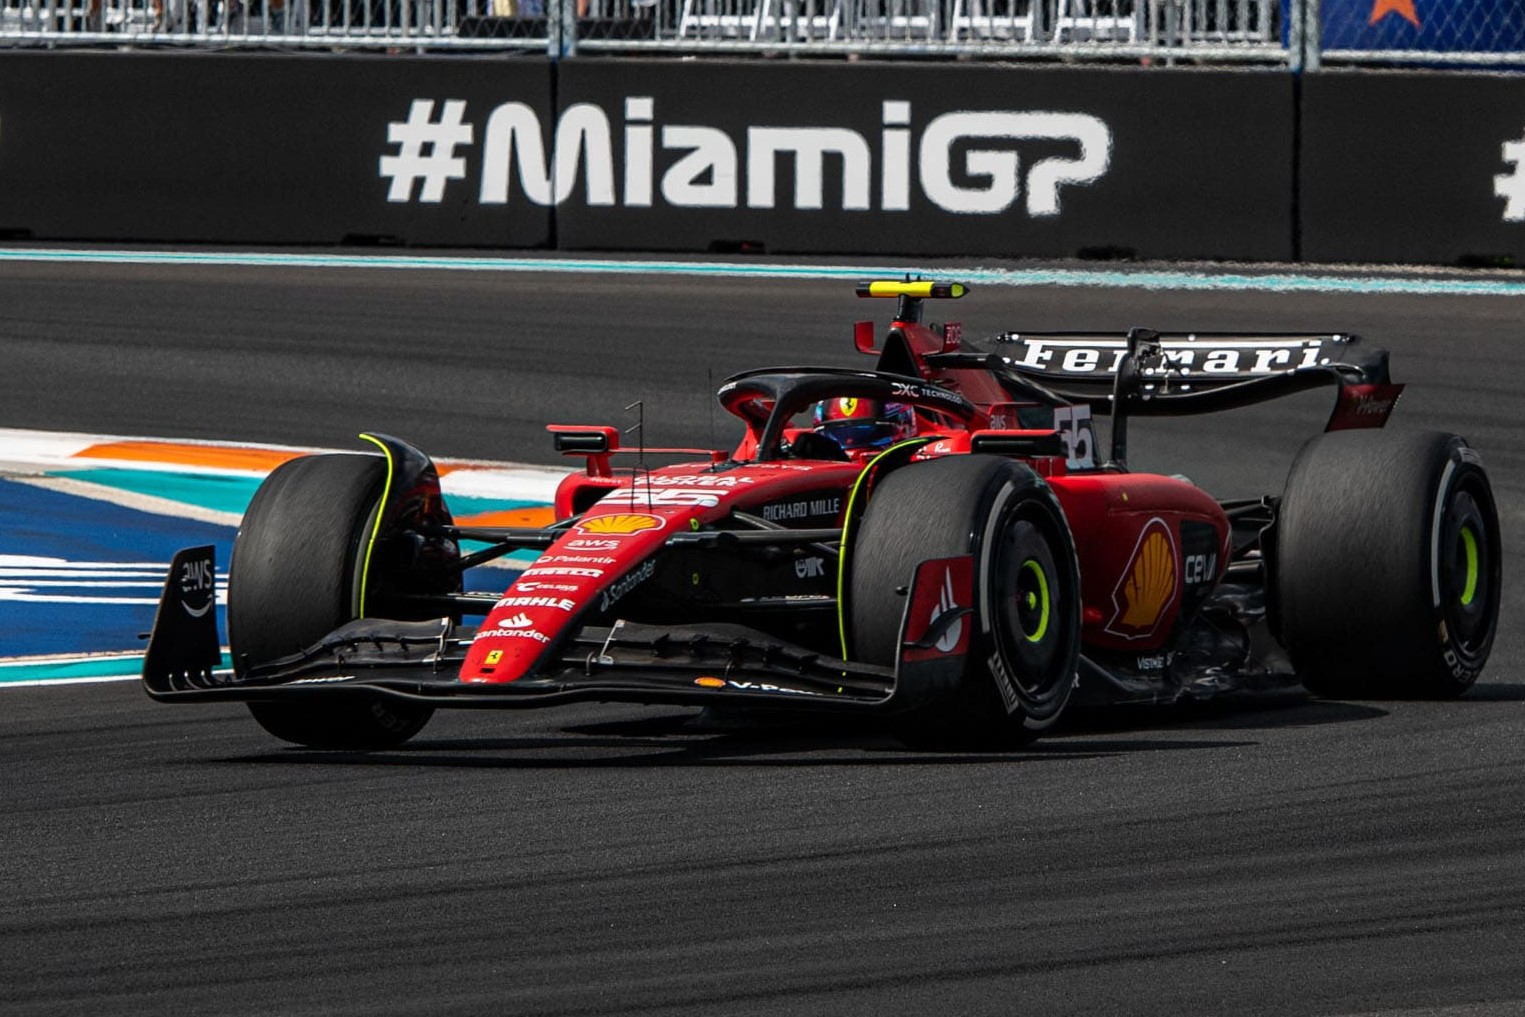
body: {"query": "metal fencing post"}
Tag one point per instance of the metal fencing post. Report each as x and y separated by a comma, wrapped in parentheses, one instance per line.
(1295, 14)
(1304, 30)
(561, 28)
(1313, 32)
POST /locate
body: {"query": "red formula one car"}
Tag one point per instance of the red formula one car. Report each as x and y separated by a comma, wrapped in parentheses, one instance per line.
(939, 540)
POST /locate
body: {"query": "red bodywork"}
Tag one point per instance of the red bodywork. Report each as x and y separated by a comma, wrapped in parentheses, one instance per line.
(603, 554)
(1128, 528)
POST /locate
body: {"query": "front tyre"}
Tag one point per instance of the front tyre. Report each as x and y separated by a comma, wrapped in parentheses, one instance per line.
(1022, 663)
(296, 575)
(356, 721)
(1388, 566)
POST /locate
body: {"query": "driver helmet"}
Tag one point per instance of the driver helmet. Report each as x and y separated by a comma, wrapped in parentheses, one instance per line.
(864, 423)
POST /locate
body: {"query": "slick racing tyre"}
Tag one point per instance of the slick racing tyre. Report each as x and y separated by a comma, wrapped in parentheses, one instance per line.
(1387, 565)
(294, 578)
(1022, 661)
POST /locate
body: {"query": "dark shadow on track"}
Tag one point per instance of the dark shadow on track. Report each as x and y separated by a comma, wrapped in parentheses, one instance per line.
(785, 753)
(690, 740)
(678, 741)
(1238, 711)
(1494, 692)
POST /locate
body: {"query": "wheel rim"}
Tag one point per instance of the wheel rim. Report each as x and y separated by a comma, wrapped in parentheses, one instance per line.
(1469, 546)
(1027, 618)
(1467, 585)
(1033, 600)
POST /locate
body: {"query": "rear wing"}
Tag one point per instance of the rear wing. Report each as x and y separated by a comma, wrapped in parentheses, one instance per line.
(1221, 356)
(1149, 373)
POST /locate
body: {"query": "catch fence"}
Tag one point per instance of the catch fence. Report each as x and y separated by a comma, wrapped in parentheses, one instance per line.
(1300, 34)
(1478, 33)
(1216, 30)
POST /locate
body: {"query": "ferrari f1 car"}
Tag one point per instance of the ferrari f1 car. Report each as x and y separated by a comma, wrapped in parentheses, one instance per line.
(940, 540)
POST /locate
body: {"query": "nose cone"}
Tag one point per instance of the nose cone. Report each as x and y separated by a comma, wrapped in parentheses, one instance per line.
(553, 596)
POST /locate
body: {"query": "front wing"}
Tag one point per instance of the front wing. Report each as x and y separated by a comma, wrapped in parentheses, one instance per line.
(625, 662)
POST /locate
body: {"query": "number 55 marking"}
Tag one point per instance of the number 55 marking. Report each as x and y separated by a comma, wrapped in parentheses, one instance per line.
(1074, 426)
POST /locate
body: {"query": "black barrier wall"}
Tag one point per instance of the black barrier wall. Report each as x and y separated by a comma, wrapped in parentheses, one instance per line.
(854, 158)
(930, 159)
(1413, 167)
(257, 149)
(646, 155)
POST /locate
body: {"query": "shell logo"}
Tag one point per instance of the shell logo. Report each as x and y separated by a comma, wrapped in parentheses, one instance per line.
(623, 523)
(1148, 585)
(709, 682)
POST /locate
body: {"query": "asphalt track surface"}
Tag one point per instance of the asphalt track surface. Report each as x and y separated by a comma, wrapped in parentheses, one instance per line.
(1261, 855)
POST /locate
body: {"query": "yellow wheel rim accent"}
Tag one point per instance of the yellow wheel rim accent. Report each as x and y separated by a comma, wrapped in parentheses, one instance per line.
(370, 541)
(1469, 545)
(1042, 598)
(847, 517)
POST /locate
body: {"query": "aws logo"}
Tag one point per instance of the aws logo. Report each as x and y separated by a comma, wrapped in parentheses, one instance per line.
(197, 581)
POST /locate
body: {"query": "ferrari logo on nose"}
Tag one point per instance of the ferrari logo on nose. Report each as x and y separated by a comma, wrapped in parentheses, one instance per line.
(849, 407)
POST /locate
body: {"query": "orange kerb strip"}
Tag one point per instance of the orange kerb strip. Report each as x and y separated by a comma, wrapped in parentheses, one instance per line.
(189, 455)
(220, 457)
(510, 517)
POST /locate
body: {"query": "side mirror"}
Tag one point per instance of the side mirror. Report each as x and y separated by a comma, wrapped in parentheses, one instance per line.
(863, 336)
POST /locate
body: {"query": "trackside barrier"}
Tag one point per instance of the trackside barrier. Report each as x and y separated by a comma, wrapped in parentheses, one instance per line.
(923, 158)
(647, 154)
(960, 159)
(284, 148)
(1424, 184)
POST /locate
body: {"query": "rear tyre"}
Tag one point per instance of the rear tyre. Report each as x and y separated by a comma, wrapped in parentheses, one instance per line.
(295, 577)
(1387, 565)
(1022, 661)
